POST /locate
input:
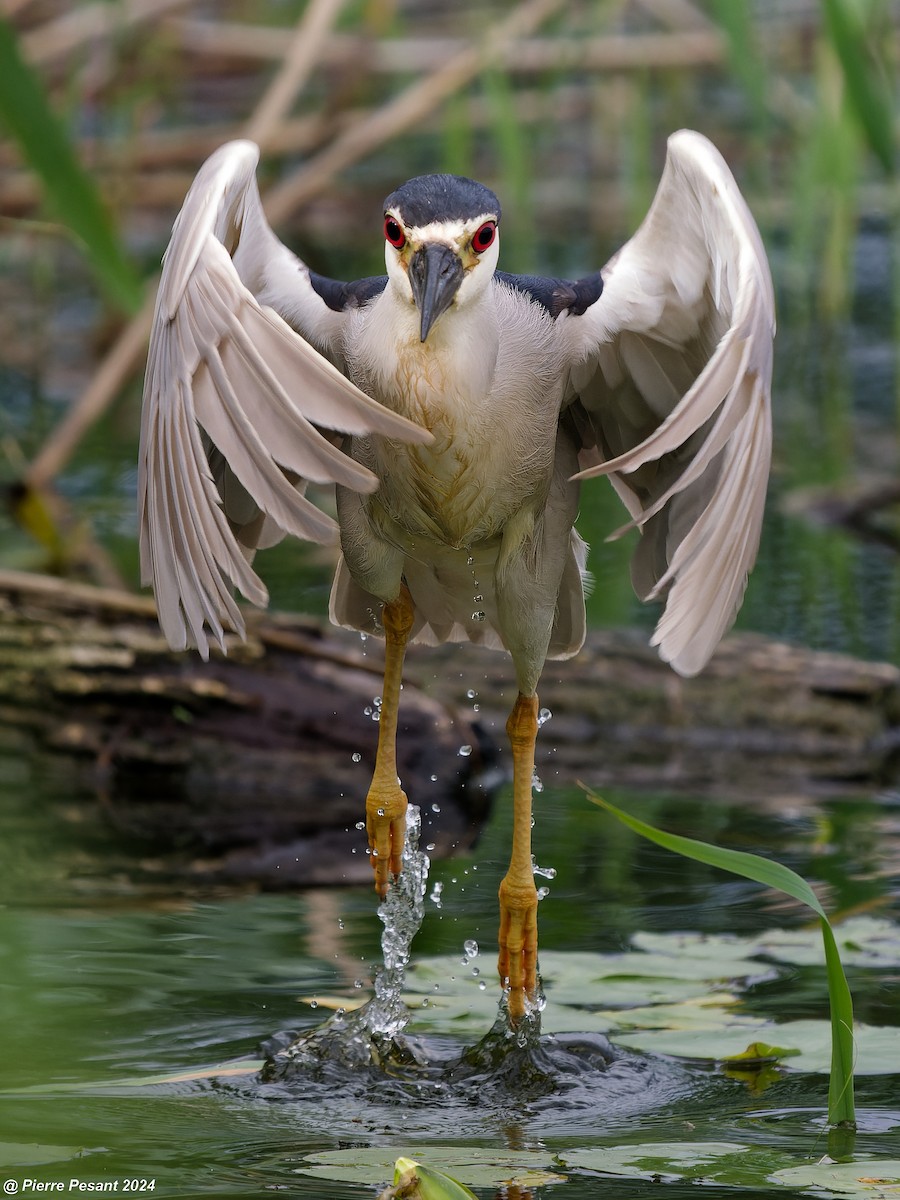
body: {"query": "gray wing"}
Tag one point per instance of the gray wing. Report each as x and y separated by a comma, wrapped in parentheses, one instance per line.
(671, 396)
(234, 401)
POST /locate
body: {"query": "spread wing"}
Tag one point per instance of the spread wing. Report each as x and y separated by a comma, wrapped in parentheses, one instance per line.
(671, 396)
(235, 402)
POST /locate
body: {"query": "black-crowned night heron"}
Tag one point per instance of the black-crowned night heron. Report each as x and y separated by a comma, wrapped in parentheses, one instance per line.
(457, 409)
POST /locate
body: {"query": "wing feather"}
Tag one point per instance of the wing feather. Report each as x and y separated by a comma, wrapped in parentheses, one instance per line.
(671, 388)
(233, 399)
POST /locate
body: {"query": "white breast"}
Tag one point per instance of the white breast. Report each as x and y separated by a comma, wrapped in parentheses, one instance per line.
(488, 384)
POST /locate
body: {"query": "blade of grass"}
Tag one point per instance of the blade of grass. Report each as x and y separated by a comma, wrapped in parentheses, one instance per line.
(867, 90)
(43, 142)
(841, 1109)
(745, 59)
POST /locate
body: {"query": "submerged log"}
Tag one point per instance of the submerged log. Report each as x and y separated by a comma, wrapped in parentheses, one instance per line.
(257, 763)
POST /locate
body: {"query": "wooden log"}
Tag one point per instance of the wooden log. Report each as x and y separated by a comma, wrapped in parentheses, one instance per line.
(258, 763)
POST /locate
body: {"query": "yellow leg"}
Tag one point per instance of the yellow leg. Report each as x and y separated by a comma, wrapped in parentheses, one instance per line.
(386, 801)
(517, 962)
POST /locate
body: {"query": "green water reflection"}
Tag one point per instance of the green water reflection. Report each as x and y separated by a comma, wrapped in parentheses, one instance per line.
(103, 981)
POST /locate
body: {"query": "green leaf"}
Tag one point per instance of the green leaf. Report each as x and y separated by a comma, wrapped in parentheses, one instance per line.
(867, 89)
(43, 142)
(841, 1109)
(431, 1184)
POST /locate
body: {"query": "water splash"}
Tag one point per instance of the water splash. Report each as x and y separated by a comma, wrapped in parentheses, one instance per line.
(371, 1036)
(401, 912)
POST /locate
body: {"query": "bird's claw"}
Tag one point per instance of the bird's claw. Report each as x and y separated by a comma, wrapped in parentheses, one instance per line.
(386, 829)
(517, 960)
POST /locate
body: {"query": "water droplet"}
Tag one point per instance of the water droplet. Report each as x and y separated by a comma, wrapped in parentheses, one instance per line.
(481, 985)
(537, 784)
(357, 983)
(435, 808)
(434, 778)
(435, 898)
(429, 846)
(380, 812)
(465, 751)
(360, 825)
(470, 946)
(471, 693)
(478, 599)
(367, 711)
(340, 922)
(542, 892)
(545, 872)
(313, 1004)
(478, 616)
(356, 756)
(378, 702)
(544, 716)
(469, 561)
(476, 971)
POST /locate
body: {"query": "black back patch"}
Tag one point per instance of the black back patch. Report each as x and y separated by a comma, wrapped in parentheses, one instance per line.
(557, 295)
(341, 296)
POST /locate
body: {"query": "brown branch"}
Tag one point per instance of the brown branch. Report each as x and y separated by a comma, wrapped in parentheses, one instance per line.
(312, 30)
(411, 105)
(406, 109)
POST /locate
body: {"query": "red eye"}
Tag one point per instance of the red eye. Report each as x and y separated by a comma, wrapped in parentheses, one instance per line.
(484, 236)
(394, 233)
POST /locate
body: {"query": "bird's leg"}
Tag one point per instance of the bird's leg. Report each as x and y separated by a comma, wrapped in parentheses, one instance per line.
(517, 962)
(386, 801)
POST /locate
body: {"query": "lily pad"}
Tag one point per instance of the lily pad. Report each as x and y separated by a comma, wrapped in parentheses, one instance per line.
(32, 1154)
(805, 1044)
(586, 993)
(879, 1180)
(473, 1166)
(745, 1167)
(862, 942)
(719, 1162)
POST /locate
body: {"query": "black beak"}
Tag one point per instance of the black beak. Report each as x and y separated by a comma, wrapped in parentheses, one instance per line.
(435, 274)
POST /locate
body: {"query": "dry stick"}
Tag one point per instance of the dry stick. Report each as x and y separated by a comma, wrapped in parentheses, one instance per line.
(118, 364)
(685, 46)
(678, 14)
(303, 54)
(59, 37)
(412, 104)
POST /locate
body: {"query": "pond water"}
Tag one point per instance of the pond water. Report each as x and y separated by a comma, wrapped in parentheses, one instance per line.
(120, 1003)
(120, 1000)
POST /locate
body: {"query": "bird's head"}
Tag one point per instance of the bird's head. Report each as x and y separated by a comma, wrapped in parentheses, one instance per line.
(441, 242)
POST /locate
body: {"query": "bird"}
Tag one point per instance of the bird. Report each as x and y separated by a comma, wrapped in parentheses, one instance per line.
(458, 410)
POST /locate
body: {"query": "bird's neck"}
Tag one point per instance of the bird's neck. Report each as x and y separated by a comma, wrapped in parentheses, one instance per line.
(453, 367)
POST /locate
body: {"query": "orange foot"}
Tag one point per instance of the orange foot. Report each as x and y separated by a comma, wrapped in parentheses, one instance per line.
(386, 827)
(517, 961)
